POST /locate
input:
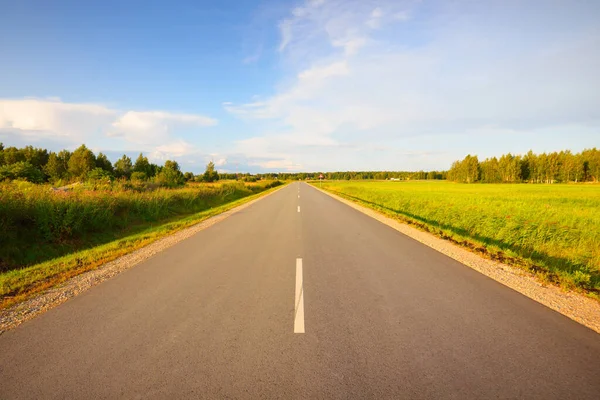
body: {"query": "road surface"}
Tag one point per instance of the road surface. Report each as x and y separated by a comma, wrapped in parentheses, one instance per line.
(300, 296)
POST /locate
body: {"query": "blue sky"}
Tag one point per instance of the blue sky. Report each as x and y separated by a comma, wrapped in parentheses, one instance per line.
(303, 85)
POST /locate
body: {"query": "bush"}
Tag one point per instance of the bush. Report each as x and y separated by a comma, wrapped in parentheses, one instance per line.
(99, 174)
(138, 176)
(169, 177)
(21, 170)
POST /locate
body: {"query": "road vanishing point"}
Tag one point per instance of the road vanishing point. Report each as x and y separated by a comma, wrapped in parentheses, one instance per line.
(299, 296)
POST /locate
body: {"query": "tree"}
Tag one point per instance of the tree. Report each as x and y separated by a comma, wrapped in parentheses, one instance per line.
(138, 176)
(490, 171)
(55, 168)
(123, 167)
(142, 165)
(170, 175)
(104, 163)
(189, 176)
(36, 157)
(21, 170)
(172, 165)
(99, 174)
(210, 175)
(153, 170)
(82, 161)
(12, 155)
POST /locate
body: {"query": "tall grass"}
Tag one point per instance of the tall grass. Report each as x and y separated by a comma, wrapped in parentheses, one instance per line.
(553, 230)
(38, 223)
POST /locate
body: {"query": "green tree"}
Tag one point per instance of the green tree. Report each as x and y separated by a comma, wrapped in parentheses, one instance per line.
(12, 155)
(99, 174)
(142, 165)
(138, 176)
(210, 175)
(55, 167)
(170, 175)
(172, 165)
(123, 167)
(21, 170)
(104, 163)
(36, 157)
(82, 161)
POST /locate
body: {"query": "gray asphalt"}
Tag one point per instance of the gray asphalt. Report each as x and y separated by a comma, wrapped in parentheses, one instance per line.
(385, 317)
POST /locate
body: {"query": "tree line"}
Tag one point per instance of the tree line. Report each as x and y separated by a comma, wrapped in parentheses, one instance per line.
(361, 175)
(556, 167)
(39, 165)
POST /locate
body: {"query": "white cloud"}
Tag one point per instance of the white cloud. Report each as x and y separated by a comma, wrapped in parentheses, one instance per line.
(401, 16)
(375, 21)
(279, 165)
(286, 33)
(51, 117)
(220, 162)
(351, 46)
(95, 124)
(339, 68)
(145, 127)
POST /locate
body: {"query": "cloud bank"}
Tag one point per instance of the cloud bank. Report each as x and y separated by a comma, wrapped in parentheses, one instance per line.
(70, 124)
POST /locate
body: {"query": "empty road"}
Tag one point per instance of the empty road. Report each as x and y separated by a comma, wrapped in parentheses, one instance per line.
(300, 297)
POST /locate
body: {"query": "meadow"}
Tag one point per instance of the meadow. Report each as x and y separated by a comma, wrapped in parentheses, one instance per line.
(48, 235)
(551, 230)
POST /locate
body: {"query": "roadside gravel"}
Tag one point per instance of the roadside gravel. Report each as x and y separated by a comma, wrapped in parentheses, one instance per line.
(573, 305)
(15, 315)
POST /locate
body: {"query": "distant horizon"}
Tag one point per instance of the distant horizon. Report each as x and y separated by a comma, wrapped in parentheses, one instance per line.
(309, 85)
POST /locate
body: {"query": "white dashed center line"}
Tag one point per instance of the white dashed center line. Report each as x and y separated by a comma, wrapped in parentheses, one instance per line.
(299, 301)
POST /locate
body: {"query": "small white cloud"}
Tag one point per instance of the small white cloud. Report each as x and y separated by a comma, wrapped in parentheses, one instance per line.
(318, 73)
(401, 16)
(285, 28)
(281, 165)
(175, 149)
(350, 46)
(374, 22)
(299, 12)
(220, 162)
(254, 57)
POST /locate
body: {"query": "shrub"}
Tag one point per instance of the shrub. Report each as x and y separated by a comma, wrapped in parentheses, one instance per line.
(21, 170)
(99, 174)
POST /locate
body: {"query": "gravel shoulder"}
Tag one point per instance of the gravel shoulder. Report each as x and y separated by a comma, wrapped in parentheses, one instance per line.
(573, 305)
(15, 315)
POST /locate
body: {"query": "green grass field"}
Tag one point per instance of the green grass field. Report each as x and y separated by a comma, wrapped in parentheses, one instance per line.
(552, 230)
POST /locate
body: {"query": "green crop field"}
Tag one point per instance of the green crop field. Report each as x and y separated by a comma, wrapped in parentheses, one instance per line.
(552, 230)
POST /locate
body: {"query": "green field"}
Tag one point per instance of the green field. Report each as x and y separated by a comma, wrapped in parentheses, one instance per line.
(48, 236)
(552, 230)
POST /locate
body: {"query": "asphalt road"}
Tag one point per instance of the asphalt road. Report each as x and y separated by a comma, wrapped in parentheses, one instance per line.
(219, 314)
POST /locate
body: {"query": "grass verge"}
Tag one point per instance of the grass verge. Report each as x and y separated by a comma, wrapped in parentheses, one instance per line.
(19, 284)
